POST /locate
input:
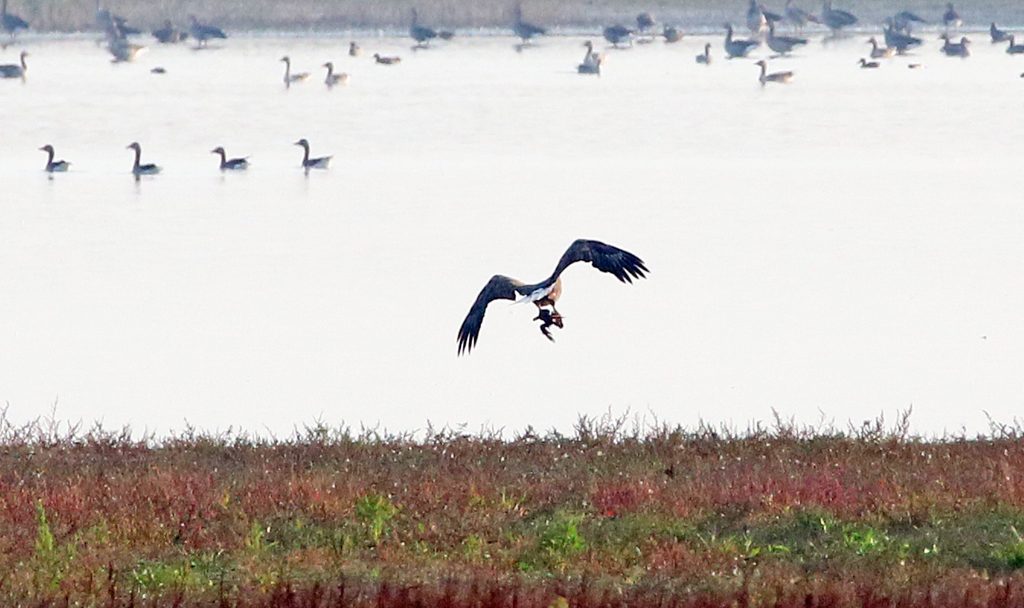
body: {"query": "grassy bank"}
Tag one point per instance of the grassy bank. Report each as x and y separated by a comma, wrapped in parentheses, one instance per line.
(605, 517)
(77, 15)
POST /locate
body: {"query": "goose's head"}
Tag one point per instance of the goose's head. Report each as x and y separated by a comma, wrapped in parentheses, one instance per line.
(47, 148)
(762, 63)
(329, 65)
(285, 59)
(133, 146)
(217, 150)
(302, 142)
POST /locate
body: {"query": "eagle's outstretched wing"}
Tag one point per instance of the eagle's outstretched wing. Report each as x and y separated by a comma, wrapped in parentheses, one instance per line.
(606, 258)
(498, 288)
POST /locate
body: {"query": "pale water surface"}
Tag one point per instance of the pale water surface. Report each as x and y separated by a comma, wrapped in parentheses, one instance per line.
(849, 244)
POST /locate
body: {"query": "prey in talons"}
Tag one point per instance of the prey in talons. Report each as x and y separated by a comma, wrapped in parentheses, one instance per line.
(547, 319)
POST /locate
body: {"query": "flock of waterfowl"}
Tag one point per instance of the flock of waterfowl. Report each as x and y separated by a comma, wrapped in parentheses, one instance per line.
(763, 24)
(226, 164)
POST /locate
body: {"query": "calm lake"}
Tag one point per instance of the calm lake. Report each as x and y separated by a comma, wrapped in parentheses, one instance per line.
(845, 245)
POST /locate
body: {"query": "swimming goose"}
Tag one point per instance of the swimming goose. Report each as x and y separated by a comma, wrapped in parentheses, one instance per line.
(736, 47)
(903, 19)
(11, 70)
(203, 32)
(618, 33)
(52, 166)
(169, 34)
(332, 78)
(797, 16)
(138, 168)
(835, 19)
(765, 77)
(386, 60)
(782, 44)
(122, 50)
(354, 50)
(11, 22)
(591, 61)
(1014, 48)
(232, 164)
(898, 41)
(420, 33)
(622, 264)
(864, 63)
(312, 163)
(997, 34)
(705, 57)
(878, 52)
(951, 18)
(289, 78)
(955, 49)
(756, 20)
(524, 29)
(672, 34)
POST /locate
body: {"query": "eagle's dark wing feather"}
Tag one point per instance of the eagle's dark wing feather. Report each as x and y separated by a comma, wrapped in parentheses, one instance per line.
(606, 258)
(498, 288)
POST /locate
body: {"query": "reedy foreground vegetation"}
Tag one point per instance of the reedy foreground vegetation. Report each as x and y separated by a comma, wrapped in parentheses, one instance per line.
(609, 516)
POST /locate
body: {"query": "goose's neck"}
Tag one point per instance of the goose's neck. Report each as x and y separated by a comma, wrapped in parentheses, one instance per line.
(330, 71)
(138, 157)
(728, 35)
(24, 66)
(49, 157)
(305, 153)
(764, 70)
(287, 69)
(223, 158)
(587, 53)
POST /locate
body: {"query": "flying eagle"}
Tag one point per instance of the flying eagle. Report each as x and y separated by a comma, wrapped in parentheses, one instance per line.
(606, 258)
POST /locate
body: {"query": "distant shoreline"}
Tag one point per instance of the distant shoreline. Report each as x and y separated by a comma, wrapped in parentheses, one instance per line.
(572, 15)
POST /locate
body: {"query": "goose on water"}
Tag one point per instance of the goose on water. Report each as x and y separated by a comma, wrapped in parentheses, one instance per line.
(705, 57)
(955, 49)
(137, 167)
(782, 44)
(312, 163)
(737, 47)
(835, 19)
(333, 79)
(865, 64)
(15, 70)
(525, 30)
(591, 61)
(765, 77)
(672, 34)
(386, 60)
(756, 20)
(203, 32)
(421, 34)
(797, 16)
(899, 41)
(230, 164)
(289, 78)
(997, 34)
(618, 33)
(644, 22)
(11, 22)
(354, 50)
(168, 34)
(622, 264)
(1014, 48)
(54, 166)
(878, 52)
(951, 19)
